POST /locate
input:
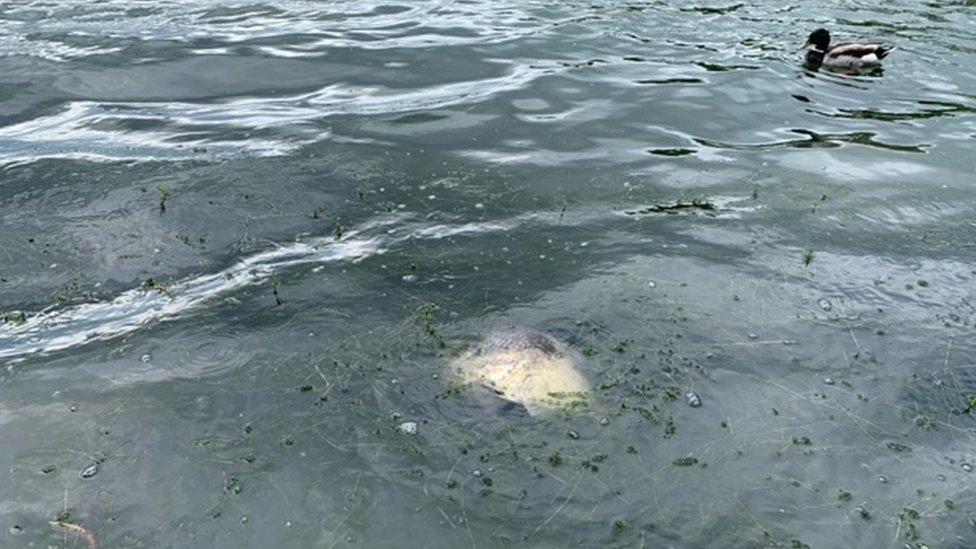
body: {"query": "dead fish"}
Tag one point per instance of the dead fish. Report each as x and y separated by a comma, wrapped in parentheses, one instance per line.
(528, 368)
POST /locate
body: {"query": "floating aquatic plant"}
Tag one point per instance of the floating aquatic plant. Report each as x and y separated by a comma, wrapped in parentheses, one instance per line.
(807, 257)
(14, 317)
(696, 204)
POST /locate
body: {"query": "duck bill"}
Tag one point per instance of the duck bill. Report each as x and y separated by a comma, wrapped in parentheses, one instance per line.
(805, 45)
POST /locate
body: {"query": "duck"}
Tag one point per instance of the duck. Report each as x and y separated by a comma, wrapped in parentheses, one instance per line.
(843, 56)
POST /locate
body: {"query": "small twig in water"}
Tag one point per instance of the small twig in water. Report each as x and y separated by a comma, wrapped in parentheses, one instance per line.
(79, 530)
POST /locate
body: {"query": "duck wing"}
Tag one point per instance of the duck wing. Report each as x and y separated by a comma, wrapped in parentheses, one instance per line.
(855, 54)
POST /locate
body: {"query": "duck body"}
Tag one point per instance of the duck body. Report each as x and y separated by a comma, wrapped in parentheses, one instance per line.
(844, 56)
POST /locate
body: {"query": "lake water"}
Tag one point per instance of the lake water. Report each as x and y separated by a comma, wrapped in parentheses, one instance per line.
(242, 241)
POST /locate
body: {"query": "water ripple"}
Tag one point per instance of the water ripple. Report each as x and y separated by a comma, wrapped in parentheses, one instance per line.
(298, 27)
(167, 130)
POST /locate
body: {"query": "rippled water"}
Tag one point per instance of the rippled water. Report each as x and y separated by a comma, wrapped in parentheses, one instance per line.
(241, 242)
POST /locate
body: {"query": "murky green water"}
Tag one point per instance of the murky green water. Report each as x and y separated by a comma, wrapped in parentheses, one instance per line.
(248, 238)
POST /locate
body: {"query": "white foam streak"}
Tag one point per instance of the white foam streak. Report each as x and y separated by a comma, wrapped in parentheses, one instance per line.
(60, 329)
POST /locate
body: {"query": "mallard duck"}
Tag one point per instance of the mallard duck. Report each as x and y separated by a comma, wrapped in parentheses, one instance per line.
(843, 55)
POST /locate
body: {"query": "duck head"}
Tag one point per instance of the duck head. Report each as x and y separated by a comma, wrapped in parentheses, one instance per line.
(819, 39)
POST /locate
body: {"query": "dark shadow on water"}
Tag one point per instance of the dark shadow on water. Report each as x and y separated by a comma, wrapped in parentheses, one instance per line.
(816, 140)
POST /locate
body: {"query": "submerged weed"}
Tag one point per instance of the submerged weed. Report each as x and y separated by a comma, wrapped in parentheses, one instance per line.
(164, 195)
(426, 314)
(275, 283)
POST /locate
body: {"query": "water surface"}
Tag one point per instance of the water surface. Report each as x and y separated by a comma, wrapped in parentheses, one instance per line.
(241, 242)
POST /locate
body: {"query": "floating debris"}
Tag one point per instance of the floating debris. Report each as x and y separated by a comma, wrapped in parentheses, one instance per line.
(898, 447)
(409, 428)
(829, 380)
(693, 399)
(967, 467)
(90, 471)
(79, 530)
(685, 462)
(697, 204)
(825, 304)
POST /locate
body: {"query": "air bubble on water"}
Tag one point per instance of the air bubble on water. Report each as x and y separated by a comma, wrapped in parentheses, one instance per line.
(829, 380)
(825, 304)
(967, 467)
(651, 284)
(145, 358)
(477, 473)
(479, 206)
(410, 278)
(693, 399)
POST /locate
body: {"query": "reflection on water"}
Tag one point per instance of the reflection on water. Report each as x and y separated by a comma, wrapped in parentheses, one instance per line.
(241, 244)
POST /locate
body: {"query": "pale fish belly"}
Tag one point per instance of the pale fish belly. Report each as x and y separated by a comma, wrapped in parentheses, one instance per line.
(529, 368)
